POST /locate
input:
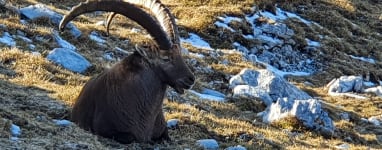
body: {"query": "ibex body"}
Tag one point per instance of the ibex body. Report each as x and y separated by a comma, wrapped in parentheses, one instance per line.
(125, 102)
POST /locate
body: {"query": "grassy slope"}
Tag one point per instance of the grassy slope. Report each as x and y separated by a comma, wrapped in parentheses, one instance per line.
(31, 86)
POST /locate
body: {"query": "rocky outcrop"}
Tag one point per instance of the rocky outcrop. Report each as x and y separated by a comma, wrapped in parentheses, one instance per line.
(309, 112)
(264, 84)
(273, 42)
(282, 98)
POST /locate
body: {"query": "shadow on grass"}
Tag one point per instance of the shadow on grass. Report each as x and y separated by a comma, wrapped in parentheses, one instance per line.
(218, 124)
(35, 112)
(354, 130)
(30, 108)
(198, 130)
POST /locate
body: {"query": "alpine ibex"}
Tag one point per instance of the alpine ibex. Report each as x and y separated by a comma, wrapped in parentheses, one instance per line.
(125, 102)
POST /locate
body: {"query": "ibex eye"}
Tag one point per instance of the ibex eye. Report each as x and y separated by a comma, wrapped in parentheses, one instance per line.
(166, 59)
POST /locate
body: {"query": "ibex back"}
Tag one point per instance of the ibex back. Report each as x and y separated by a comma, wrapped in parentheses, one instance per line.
(125, 102)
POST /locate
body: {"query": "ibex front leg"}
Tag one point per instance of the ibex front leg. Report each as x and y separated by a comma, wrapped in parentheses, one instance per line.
(160, 132)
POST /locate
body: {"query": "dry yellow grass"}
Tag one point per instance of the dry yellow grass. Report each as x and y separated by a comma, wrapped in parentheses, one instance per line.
(196, 15)
(344, 4)
(34, 70)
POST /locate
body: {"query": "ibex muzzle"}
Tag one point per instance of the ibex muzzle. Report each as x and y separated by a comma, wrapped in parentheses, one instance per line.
(125, 102)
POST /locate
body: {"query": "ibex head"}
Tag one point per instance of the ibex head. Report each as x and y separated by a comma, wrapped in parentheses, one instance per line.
(165, 56)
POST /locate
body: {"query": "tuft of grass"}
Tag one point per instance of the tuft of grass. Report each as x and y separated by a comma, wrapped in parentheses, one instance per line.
(290, 123)
(343, 4)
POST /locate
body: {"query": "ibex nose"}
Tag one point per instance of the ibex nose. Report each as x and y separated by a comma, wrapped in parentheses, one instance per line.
(187, 81)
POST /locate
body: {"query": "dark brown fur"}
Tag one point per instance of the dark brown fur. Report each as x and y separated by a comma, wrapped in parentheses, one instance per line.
(125, 102)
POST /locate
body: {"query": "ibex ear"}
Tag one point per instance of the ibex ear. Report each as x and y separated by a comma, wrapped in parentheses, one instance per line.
(176, 48)
(140, 51)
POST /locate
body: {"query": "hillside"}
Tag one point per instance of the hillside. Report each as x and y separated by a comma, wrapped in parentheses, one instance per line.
(304, 45)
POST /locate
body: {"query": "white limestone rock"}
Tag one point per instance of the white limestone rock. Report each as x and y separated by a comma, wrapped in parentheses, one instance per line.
(39, 10)
(173, 123)
(376, 90)
(63, 43)
(15, 130)
(346, 84)
(8, 40)
(245, 77)
(238, 147)
(69, 59)
(376, 120)
(208, 144)
(62, 123)
(212, 92)
(308, 111)
(207, 96)
(265, 85)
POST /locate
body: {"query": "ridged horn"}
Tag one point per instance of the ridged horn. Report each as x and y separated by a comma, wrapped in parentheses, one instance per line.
(128, 10)
(161, 13)
(108, 22)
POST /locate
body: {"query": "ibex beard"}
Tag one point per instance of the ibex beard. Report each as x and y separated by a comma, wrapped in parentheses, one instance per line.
(125, 102)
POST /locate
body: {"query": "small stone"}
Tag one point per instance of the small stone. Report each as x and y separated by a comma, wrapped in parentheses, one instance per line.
(41, 118)
(208, 144)
(308, 84)
(21, 33)
(374, 120)
(344, 146)
(97, 37)
(62, 123)
(8, 40)
(15, 130)
(108, 56)
(345, 116)
(196, 41)
(63, 43)
(212, 92)
(100, 23)
(207, 96)
(39, 10)
(69, 59)
(245, 137)
(241, 48)
(364, 120)
(173, 123)
(259, 136)
(238, 147)
(348, 139)
(25, 39)
(376, 90)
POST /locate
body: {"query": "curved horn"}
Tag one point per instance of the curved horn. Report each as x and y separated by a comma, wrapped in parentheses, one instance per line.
(108, 22)
(127, 9)
(161, 13)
